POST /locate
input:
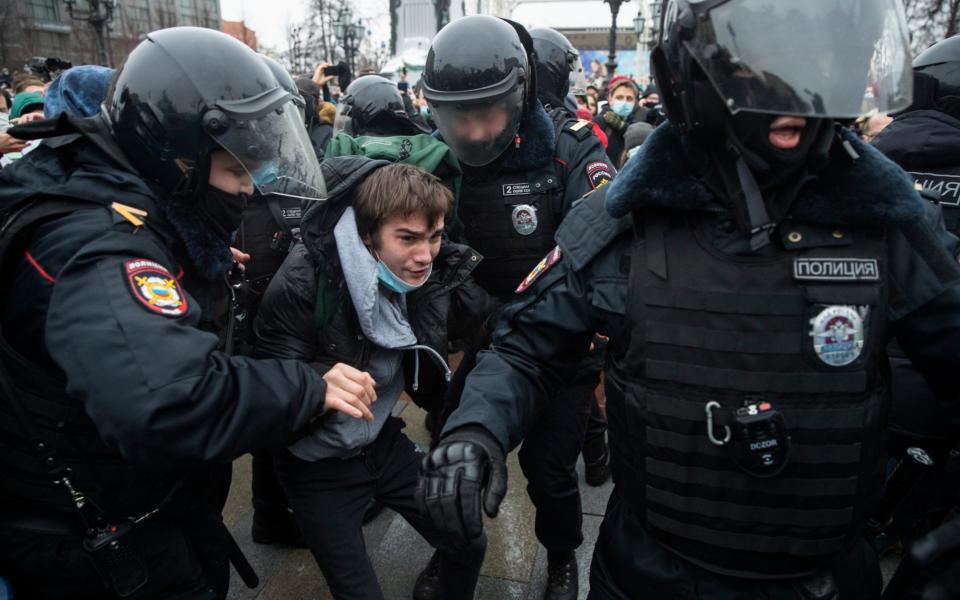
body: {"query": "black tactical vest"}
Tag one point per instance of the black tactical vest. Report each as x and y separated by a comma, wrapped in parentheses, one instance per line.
(270, 228)
(801, 331)
(60, 420)
(510, 220)
(946, 182)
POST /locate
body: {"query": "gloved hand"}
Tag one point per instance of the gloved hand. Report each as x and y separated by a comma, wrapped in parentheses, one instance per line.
(466, 463)
(613, 120)
(939, 552)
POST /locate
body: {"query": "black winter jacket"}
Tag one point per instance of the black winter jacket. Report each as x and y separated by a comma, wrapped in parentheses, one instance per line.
(307, 313)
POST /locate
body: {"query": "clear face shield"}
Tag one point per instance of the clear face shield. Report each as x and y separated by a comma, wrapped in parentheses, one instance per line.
(479, 132)
(267, 136)
(578, 79)
(342, 123)
(809, 58)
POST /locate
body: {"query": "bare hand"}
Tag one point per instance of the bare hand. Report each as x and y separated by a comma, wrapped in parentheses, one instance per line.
(350, 391)
(27, 118)
(9, 144)
(319, 78)
(239, 256)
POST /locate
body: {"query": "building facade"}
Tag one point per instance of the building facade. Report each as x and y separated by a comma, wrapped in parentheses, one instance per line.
(30, 28)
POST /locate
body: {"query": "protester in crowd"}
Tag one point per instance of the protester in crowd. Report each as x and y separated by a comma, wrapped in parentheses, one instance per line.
(26, 82)
(634, 136)
(623, 110)
(870, 125)
(319, 112)
(368, 292)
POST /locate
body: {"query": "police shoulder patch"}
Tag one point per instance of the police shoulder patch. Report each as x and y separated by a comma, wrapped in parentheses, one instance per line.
(156, 289)
(598, 173)
(541, 268)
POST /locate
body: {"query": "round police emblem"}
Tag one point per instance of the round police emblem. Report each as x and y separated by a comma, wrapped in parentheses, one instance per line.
(524, 219)
(837, 335)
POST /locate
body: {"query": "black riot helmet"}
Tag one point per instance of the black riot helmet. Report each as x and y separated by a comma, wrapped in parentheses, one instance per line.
(559, 70)
(937, 77)
(479, 82)
(372, 105)
(186, 92)
(285, 80)
(805, 58)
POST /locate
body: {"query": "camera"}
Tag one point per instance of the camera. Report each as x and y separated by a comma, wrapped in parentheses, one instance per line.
(47, 69)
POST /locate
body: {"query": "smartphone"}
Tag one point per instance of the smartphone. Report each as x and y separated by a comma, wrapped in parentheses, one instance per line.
(333, 70)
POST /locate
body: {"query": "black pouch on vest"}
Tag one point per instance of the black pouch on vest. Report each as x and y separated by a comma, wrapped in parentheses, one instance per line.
(115, 557)
(760, 440)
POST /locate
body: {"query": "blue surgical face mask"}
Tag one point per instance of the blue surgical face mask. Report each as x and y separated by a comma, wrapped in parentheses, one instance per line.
(389, 279)
(425, 111)
(623, 109)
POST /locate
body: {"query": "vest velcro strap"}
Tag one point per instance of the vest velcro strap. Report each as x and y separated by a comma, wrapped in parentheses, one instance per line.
(722, 341)
(799, 453)
(706, 509)
(838, 294)
(780, 544)
(720, 302)
(749, 381)
(819, 417)
(736, 480)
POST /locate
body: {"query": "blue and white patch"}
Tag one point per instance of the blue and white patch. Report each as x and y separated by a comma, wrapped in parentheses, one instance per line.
(524, 217)
(836, 269)
(837, 333)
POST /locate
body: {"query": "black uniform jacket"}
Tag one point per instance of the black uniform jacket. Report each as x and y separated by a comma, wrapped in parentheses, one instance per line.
(106, 299)
(580, 289)
(306, 312)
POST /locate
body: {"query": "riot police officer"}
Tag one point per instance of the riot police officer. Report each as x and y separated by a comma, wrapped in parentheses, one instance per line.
(560, 73)
(748, 265)
(119, 412)
(521, 175)
(372, 105)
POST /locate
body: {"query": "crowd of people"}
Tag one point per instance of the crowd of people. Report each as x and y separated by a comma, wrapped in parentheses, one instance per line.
(203, 255)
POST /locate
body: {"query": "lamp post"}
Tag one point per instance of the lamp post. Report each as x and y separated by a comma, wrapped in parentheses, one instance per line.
(639, 24)
(656, 6)
(349, 33)
(612, 58)
(99, 15)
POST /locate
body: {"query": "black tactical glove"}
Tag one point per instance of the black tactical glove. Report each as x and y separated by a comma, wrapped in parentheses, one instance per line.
(466, 463)
(939, 552)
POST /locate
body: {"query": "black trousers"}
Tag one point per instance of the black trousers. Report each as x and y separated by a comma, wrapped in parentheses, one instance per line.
(329, 497)
(627, 560)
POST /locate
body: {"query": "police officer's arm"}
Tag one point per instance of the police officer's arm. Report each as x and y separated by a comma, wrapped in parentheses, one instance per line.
(155, 386)
(538, 343)
(587, 166)
(925, 305)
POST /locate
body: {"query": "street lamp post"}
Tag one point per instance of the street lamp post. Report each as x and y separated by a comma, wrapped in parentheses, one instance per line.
(655, 8)
(99, 15)
(639, 24)
(349, 33)
(612, 58)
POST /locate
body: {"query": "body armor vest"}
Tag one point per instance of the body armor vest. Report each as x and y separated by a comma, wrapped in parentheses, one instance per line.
(510, 220)
(799, 334)
(96, 470)
(945, 181)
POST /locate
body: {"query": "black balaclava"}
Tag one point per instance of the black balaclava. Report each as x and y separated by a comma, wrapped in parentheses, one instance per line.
(761, 180)
(221, 211)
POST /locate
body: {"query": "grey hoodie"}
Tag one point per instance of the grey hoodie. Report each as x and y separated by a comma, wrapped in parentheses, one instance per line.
(384, 322)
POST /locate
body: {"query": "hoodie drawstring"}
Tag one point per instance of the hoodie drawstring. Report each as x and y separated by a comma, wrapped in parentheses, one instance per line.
(416, 363)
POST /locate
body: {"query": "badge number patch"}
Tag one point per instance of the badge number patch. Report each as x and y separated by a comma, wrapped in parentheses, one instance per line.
(599, 174)
(541, 268)
(516, 189)
(153, 285)
(524, 217)
(837, 334)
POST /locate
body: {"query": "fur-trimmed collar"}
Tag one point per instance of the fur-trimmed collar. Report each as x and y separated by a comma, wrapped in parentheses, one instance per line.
(538, 143)
(668, 172)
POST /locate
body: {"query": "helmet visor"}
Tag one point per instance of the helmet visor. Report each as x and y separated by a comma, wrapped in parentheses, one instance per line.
(818, 58)
(342, 122)
(479, 132)
(276, 152)
(578, 80)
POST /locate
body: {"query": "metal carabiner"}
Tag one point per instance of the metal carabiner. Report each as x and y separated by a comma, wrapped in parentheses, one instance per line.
(710, 406)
